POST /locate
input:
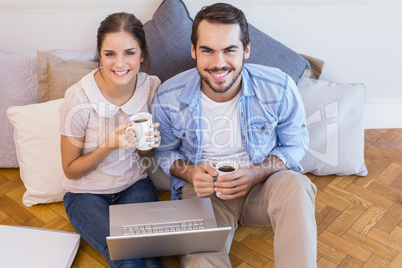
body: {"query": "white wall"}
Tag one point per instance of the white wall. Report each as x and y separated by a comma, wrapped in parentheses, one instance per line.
(359, 40)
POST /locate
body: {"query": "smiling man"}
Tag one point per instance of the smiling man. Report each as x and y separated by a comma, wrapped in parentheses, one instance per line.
(220, 55)
(253, 115)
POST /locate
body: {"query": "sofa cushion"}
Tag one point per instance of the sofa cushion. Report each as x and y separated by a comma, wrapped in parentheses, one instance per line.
(37, 141)
(267, 51)
(56, 75)
(316, 67)
(168, 39)
(18, 86)
(335, 124)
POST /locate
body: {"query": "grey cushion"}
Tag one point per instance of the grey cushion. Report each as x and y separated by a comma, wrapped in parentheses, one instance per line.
(267, 51)
(168, 39)
(335, 124)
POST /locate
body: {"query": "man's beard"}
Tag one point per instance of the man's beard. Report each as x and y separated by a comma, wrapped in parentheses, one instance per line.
(216, 89)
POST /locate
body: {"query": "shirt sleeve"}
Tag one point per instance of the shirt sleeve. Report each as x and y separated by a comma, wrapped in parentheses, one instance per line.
(168, 151)
(74, 113)
(291, 129)
(155, 82)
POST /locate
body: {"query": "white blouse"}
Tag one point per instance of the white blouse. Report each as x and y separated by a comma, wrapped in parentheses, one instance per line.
(85, 112)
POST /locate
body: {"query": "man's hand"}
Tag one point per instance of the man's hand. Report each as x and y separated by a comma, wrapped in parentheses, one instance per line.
(203, 179)
(201, 176)
(241, 182)
(230, 186)
(235, 184)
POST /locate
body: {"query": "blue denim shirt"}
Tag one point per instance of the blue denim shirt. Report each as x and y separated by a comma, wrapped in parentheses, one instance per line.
(270, 111)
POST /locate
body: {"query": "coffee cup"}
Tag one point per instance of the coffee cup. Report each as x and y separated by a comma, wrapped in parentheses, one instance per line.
(141, 124)
(224, 168)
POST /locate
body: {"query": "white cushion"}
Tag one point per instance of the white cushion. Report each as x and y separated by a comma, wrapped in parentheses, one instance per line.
(37, 141)
(335, 124)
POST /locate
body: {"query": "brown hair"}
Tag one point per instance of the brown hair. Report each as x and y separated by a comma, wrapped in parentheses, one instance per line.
(118, 22)
(221, 13)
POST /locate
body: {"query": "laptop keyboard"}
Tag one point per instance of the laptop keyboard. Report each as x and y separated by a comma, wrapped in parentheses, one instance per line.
(163, 227)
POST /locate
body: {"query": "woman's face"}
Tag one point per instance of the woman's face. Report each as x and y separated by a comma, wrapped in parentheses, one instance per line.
(121, 58)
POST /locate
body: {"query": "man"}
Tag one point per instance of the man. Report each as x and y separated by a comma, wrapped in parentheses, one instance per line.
(250, 114)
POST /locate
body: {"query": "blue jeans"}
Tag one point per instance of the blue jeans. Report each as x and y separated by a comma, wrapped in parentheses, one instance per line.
(89, 214)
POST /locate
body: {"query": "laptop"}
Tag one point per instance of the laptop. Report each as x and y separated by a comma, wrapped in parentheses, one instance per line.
(164, 228)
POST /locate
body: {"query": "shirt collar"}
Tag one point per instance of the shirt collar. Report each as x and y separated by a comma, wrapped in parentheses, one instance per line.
(192, 85)
(107, 109)
(247, 88)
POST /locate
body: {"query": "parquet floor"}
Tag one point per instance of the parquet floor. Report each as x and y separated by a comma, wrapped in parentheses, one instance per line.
(359, 219)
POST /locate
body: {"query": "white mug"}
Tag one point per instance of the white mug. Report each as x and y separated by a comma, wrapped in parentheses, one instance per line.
(224, 168)
(141, 124)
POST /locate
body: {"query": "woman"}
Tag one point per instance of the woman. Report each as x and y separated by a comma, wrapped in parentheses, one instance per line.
(101, 164)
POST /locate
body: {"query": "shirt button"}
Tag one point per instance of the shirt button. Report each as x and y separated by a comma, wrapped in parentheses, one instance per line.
(263, 129)
(183, 135)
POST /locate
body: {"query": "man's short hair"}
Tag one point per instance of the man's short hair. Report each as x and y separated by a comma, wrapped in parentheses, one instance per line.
(221, 13)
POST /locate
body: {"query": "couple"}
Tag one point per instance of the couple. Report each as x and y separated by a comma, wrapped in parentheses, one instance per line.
(221, 109)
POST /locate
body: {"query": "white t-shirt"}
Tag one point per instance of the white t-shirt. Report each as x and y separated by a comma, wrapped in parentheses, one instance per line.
(85, 112)
(221, 137)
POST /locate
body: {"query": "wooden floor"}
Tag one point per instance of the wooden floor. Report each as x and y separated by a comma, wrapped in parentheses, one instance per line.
(358, 218)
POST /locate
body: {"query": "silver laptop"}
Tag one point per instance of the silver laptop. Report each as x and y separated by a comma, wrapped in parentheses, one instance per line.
(164, 228)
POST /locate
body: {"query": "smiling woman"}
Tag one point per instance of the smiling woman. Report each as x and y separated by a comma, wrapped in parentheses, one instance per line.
(121, 50)
(101, 162)
(121, 57)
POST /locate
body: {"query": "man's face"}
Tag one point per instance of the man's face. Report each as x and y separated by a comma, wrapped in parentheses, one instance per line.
(220, 56)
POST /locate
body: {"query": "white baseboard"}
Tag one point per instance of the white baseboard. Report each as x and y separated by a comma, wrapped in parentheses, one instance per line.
(383, 115)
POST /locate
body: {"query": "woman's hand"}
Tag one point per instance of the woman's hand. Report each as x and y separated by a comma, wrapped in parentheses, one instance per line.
(154, 136)
(76, 165)
(120, 138)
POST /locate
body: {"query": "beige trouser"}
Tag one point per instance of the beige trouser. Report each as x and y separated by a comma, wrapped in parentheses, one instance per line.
(286, 202)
